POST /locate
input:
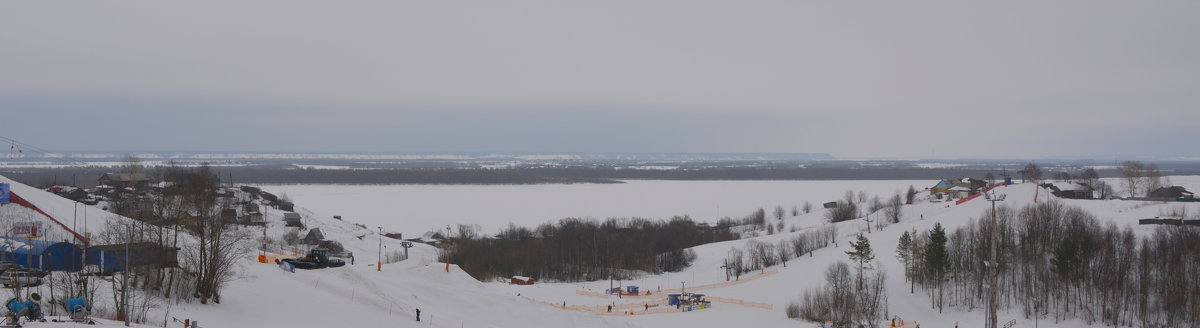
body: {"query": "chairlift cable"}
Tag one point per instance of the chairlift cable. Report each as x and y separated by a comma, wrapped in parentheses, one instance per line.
(20, 146)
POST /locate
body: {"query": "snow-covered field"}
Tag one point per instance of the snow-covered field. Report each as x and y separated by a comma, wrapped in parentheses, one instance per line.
(415, 209)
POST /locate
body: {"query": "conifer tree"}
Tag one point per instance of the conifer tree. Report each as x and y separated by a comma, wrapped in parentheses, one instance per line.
(863, 254)
(904, 252)
(937, 259)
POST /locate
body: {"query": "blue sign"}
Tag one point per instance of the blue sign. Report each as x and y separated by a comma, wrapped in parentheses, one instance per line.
(287, 266)
(4, 198)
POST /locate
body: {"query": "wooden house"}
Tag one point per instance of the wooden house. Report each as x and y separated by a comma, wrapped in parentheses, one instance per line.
(1173, 192)
(1070, 190)
(292, 219)
(128, 180)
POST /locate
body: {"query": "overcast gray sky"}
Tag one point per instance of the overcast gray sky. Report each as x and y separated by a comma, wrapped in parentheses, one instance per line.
(850, 78)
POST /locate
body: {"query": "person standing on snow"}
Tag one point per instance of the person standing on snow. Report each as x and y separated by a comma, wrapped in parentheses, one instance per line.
(418, 314)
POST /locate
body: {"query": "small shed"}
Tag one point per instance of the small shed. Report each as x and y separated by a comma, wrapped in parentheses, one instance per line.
(1071, 190)
(252, 218)
(520, 280)
(292, 219)
(313, 237)
(1173, 192)
(229, 215)
(133, 180)
(830, 205)
(68, 192)
(959, 192)
(631, 290)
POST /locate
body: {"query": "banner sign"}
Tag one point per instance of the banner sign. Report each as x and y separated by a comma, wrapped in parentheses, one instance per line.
(285, 266)
(4, 198)
(26, 229)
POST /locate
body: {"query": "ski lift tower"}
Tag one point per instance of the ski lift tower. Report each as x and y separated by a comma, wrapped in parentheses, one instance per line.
(993, 265)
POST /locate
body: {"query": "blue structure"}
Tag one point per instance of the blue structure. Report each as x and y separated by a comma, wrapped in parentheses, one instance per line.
(4, 192)
(64, 256)
(111, 258)
(41, 254)
(672, 299)
(76, 305)
(1007, 181)
(631, 290)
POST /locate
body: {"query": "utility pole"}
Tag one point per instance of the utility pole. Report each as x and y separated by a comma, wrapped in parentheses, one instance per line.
(379, 260)
(726, 267)
(994, 267)
(125, 282)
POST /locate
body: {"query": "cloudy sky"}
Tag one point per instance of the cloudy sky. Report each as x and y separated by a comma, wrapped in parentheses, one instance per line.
(850, 78)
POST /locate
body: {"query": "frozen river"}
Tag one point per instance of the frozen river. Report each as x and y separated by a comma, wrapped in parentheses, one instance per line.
(415, 209)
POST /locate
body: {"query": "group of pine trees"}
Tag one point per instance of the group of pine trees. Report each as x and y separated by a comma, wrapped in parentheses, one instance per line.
(1058, 262)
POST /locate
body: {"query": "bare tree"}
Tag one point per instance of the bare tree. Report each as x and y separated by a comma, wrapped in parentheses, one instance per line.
(736, 262)
(783, 251)
(845, 210)
(1031, 172)
(894, 208)
(1062, 176)
(839, 302)
(1154, 179)
(1132, 175)
(1090, 177)
(132, 165)
(876, 204)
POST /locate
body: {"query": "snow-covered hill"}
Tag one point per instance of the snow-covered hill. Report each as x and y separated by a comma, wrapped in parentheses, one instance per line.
(360, 296)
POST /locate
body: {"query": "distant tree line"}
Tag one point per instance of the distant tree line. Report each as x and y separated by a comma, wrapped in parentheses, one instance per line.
(576, 249)
(760, 173)
(1059, 262)
(432, 174)
(86, 176)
